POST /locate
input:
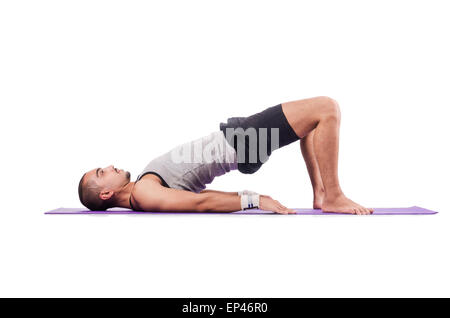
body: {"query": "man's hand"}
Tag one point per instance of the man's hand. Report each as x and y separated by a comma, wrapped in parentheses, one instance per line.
(269, 204)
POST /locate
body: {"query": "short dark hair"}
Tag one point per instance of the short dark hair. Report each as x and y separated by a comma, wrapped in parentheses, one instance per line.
(88, 194)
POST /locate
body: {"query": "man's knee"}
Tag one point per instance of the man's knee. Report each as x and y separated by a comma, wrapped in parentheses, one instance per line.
(330, 108)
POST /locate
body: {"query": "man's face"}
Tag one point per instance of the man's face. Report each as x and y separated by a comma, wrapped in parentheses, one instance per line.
(109, 178)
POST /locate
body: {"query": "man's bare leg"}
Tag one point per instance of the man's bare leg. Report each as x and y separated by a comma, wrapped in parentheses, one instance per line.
(322, 114)
(307, 149)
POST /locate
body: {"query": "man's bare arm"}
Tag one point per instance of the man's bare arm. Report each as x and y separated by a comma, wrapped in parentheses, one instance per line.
(154, 197)
(151, 196)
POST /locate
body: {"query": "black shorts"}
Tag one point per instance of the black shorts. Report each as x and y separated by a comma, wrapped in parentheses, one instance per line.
(255, 145)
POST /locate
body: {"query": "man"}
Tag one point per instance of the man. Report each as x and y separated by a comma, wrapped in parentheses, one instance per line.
(176, 180)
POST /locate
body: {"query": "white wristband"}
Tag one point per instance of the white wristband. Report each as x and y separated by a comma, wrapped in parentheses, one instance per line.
(249, 201)
(244, 201)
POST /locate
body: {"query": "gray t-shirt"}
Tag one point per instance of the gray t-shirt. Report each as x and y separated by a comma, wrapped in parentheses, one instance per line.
(194, 164)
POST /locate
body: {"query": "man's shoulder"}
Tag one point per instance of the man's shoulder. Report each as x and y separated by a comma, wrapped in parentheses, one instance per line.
(147, 192)
(146, 184)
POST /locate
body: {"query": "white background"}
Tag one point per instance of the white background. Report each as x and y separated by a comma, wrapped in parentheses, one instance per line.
(91, 83)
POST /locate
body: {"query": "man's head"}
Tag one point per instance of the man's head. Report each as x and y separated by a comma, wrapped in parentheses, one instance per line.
(98, 187)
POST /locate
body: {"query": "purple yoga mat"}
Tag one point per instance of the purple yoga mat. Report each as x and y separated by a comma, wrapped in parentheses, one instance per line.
(414, 210)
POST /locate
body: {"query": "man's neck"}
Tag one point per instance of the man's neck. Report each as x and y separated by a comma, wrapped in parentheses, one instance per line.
(123, 197)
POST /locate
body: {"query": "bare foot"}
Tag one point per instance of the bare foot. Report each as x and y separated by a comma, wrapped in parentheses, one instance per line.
(342, 204)
(318, 199)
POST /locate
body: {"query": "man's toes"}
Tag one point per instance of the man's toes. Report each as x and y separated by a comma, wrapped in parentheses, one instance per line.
(362, 209)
